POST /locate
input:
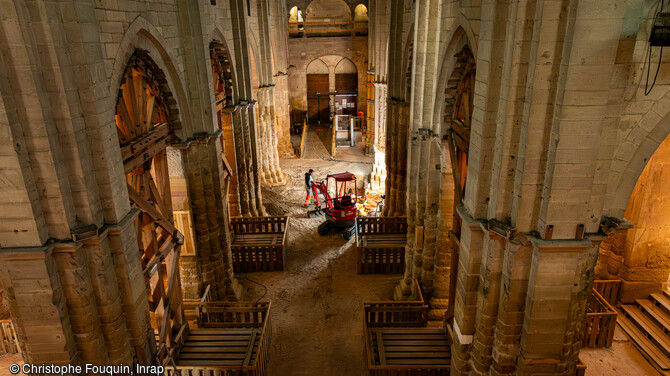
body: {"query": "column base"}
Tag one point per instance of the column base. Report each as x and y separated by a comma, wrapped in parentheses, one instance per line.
(235, 291)
(403, 291)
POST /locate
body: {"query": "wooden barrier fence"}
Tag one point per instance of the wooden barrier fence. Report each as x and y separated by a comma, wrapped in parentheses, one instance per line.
(600, 322)
(608, 289)
(9, 343)
(232, 339)
(259, 243)
(380, 242)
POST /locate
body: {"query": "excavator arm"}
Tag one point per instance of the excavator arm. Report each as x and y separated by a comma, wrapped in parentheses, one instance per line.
(320, 187)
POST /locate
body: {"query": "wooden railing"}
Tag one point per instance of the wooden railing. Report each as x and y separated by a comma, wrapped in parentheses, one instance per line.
(608, 289)
(406, 313)
(381, 225)
(9, 343)
(266, 225)
(600, 322)
(301, 149)
(298, 29)
(232, 315)
(581, 368)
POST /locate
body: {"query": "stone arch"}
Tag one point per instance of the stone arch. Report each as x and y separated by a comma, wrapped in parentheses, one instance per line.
(301, 4)
(224, 46)
(632, 155)
(223, 73)
(448, 222)
(360, 12)
(317, 66)
(459, 39)
(143, 35)
(335, 10)
(257, 64)
(345, 66)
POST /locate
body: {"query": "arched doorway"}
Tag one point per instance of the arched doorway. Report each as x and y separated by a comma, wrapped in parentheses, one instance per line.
(145, 112)
(633, 268)
(318, 92)
(458, 106)
(222, 75)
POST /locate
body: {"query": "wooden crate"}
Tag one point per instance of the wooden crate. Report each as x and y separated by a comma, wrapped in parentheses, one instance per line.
(232, 339)
(409, 313)
(380, 243)
(9, 343)
(259, 243)
(398, 342)
(600, 322)
(608, 289)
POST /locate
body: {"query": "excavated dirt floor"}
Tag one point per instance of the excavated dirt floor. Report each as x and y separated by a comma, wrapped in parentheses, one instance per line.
(317, 317)
(622, 359)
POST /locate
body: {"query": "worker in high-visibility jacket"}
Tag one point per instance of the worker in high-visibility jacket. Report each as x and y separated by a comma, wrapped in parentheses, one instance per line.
(308, 187)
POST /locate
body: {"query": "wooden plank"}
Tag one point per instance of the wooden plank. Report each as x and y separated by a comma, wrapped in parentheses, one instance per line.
(147, 208)
(654, 334)
(250, 349)
(656, 313)
(380, 348)
(648, 349)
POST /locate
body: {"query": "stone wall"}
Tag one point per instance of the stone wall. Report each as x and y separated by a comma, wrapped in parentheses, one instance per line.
(302, 51)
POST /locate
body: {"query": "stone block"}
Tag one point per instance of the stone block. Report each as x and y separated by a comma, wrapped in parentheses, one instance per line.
(638, 290)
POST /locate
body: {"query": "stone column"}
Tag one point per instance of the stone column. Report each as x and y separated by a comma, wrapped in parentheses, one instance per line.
(439, 301)
(465, 302)
(206, 190)
(132, 287)
(272, 174)
(514, 281)
(80, 302)
(283, 115)
(248, 175)
(490, 272)
(396, 157)
(378, 173)
(38, 306)
(559, 285)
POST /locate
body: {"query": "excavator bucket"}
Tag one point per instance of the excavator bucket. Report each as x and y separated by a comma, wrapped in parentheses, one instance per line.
(315, 213)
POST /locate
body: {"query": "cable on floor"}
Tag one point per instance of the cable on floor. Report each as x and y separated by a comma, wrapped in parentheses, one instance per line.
(246, 276)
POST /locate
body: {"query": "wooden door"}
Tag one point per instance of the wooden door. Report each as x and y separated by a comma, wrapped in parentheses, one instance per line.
(318, 99)
(346, 83)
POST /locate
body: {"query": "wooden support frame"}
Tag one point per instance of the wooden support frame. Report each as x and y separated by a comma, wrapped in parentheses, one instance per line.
(145, 124)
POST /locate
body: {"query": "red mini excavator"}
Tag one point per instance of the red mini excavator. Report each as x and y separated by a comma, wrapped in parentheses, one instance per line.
(341, 210)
